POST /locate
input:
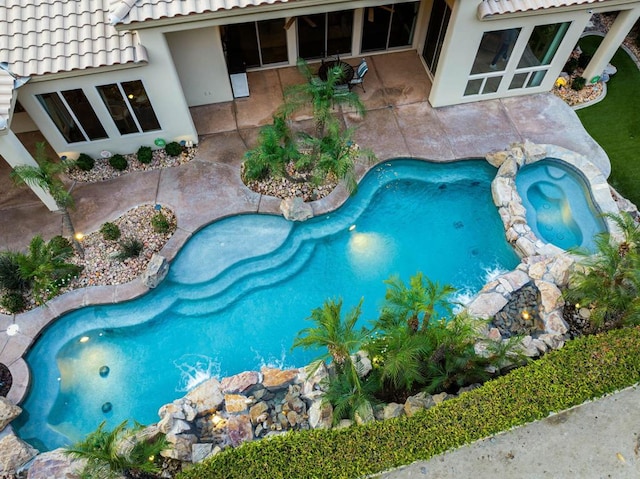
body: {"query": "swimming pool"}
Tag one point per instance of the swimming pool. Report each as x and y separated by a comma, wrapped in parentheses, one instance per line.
(238, 293)
(559, 207)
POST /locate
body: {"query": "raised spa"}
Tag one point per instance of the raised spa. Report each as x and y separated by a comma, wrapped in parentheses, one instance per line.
(559, 206)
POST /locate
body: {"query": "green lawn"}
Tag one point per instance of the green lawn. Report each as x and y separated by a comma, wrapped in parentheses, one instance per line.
(615, 122)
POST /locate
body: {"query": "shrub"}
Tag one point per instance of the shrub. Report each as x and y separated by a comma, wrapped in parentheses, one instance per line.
(11, 278)
(578, 83)
(110, 231)
(584, 369)
(13, 301)
(129, 248)
(118, 162)
(44, 267)
(160, 223)
(61, 246)
(583, 60)
(570, 66)
(85, 162)
(145, 154)
(173, 148)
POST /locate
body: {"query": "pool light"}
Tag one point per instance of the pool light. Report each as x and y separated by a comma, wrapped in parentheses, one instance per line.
(84, 339)
(352, 227)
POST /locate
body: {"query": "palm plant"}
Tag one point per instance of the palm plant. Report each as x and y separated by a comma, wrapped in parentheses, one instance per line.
(608, 282)
(47, 176)
(276, 148)
(350, 395)
(44, 267)
(421, 297)
(112, 453)
(322, 96)
(340, 337)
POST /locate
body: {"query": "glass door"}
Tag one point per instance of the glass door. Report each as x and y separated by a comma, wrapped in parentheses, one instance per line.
(436, 31)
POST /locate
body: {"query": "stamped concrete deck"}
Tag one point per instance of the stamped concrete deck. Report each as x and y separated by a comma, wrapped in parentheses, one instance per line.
(399, 123)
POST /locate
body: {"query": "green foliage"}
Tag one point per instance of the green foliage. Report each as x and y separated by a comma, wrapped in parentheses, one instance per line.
(47, 176)
(614, 122)
(109, 454)
(110, 231)
(585, 368)
(45, 268)
(10, 277)
(160, 223)
(85, 162)
(608, 282)
(578, 83)
(118, 162)
(339, 336)
(275, 149)
(60, 247)
(145, 154)
(173, 148)
(129, 248)
(349, 394)
(13, 301)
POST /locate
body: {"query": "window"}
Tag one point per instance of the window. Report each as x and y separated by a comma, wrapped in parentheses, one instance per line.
(540, 50)
(254, 44)
(325, 34)
(389, 26)
(436, 31)
(129, 107)
(73, 115)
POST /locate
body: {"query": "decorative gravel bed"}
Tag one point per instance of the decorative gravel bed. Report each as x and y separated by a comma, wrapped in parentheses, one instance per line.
(102, 170)
(99, 262)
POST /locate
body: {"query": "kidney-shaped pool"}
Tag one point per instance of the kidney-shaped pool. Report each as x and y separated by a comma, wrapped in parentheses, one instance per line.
(241, 288)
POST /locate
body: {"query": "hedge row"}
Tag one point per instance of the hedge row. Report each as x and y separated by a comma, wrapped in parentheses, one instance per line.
(585, 368)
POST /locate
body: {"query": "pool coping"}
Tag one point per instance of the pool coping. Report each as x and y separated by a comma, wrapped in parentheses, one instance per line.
(31, 323)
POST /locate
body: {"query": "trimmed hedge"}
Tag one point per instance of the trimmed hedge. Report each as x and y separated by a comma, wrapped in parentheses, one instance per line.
(584, 369)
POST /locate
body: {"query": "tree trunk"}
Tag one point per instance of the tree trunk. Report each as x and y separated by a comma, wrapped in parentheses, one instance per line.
(68, 224)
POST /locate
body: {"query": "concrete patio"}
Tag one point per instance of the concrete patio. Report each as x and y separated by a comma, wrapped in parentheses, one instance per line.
(399, 123)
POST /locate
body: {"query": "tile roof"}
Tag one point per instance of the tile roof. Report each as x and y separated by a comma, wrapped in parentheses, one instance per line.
(488, 8)
(49, 36)
(130, 11)
(6, 94)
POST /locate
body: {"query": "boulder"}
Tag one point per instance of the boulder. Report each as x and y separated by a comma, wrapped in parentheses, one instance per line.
(295, 209)
(8, 412)
(533, 152)
(14, 453)
(320, 415)
(344, 423)
(314, 379)
(55, 464)
(496, 158)
(236, 403)
(486, 305)
(199, 451)
(259, 412)
(181, 447)
(156, 271)
(206, 397)
(416, 403)
(239, 429)
(392, 410)
(240, 382)
(274, 379)
(362, 363)
(364, 413)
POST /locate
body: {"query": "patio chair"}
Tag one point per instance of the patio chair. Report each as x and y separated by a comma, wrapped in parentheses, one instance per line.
(358, 78)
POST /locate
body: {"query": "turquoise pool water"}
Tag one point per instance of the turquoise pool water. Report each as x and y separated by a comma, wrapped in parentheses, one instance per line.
(239, 291)
(559, 206)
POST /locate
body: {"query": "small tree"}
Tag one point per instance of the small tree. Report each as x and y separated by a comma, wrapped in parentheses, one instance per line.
(47, 176)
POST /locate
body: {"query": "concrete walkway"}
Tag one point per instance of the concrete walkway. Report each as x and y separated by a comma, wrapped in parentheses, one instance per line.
(596, 440)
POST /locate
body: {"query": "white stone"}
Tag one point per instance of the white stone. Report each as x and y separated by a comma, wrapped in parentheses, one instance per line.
(486, 305)
(496, 158)
(320, 415)
(206, 397)
(502, 191)
(533, 152)
(550, 296)
(14, 453)
(509, 168)
(554, 323)
(56, 464)
(8, 412)
(295, 209)
(155, 271)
